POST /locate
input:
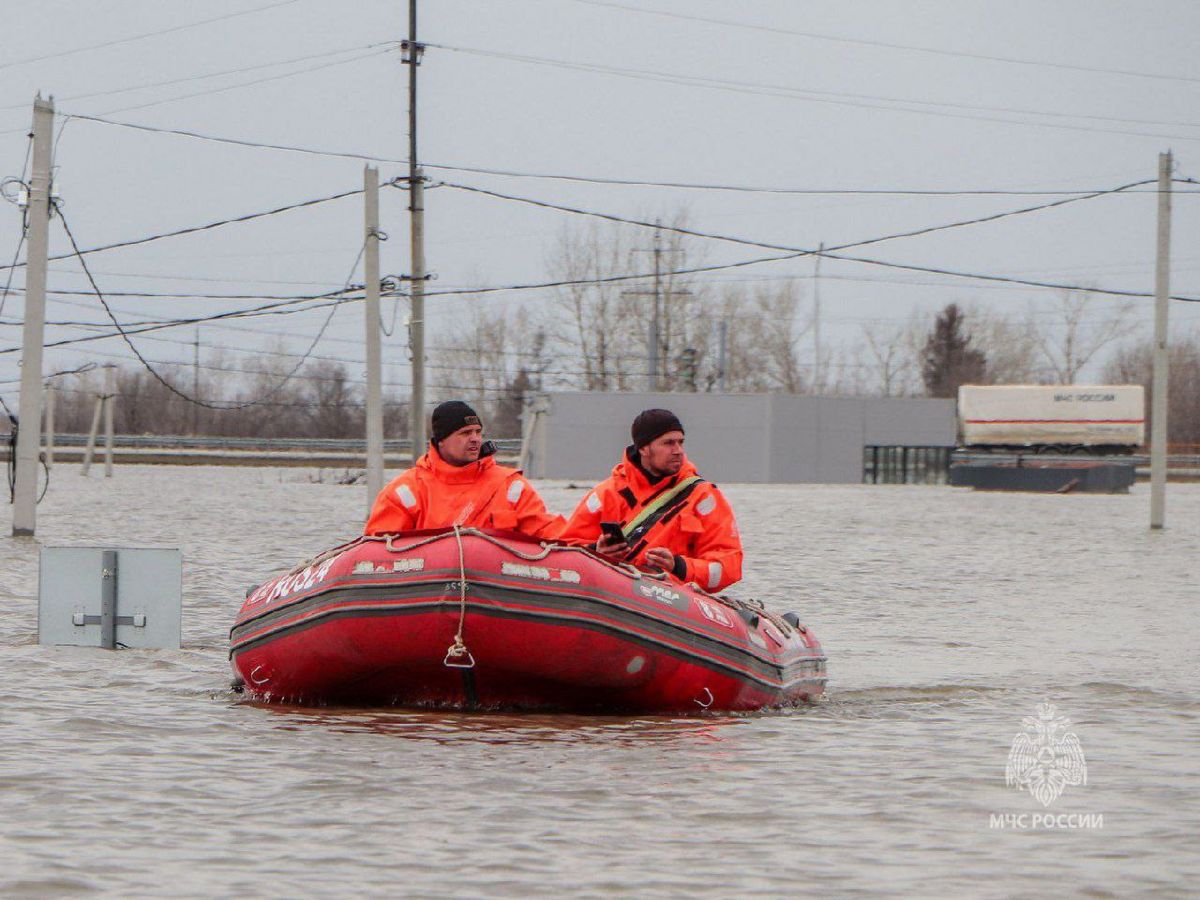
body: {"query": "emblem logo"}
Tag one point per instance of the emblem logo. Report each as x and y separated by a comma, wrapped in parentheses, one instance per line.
(1045, 758)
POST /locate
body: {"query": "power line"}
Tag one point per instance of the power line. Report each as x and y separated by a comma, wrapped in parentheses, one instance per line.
(146, 34)
(24, 228)
(193, 229)
(133, 348)
(561, 176)
(243, 84)
(796, 252)
(796, 93)
(238, 142)
(890, 45)
(154, 84)
(769, 246)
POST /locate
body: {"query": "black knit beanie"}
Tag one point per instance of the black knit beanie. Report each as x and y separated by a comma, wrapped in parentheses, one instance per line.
(653, 423)
(450, 416)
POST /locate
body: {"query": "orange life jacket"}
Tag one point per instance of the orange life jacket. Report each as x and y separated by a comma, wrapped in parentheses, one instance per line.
(700, 530)
(482, 494)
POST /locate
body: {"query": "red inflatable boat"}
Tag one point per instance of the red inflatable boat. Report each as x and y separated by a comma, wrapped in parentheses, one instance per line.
(475, 619)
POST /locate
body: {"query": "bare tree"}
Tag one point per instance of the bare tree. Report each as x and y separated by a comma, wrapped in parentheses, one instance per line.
(1134, 364)
(493, 359)
(1085, 325)
(1012, 346)
(595, 320)
(890, 366)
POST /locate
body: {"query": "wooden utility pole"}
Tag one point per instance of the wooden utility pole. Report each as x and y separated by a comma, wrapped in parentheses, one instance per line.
(416, 196)
(1158, 402)
(374, 350)
(29, 417)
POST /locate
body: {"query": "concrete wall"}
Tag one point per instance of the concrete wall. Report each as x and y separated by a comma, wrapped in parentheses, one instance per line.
(756, 438)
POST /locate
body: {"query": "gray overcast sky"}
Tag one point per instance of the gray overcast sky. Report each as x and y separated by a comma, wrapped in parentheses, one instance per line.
(1093, 130)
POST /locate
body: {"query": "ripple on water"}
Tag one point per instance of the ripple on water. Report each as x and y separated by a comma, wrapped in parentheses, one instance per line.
(947, 616)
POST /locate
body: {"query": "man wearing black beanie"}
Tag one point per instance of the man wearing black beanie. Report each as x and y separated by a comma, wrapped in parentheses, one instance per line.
(667, 515)
(459, 482)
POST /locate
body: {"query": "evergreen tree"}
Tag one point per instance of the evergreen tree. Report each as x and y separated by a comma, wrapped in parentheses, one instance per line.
(948, 359)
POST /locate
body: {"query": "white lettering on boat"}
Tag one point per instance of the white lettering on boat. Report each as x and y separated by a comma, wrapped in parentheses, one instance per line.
(408, 565)
(289, 584)
(542, 573)
(659, 593)
(714, 613)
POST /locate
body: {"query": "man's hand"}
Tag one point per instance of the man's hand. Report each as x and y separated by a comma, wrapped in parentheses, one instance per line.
(661, 557)
(608, 547)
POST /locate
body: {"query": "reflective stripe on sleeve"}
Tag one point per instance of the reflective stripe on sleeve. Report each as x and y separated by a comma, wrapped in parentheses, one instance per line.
(514, 491)
(406, 496)
(715, 571)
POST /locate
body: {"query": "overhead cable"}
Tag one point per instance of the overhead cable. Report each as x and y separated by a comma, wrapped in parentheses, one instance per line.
(1011, 60)
(992, 217)
(796, 252)
(562, 176)
(154, 372)
(202, 77)
(193, 229)
(146, 34)
(827, 97)
(244, 84)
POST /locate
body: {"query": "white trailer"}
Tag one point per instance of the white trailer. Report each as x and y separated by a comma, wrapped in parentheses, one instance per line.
(1100, 418)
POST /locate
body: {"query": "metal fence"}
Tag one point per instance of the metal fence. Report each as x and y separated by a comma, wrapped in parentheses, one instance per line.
(906, 465)
(189, 442)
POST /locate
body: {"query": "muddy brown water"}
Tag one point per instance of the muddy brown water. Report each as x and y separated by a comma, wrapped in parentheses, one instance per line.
(948, 617)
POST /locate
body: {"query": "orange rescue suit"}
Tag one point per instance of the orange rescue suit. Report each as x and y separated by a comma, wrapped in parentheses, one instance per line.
(482, 494)
(702, 532)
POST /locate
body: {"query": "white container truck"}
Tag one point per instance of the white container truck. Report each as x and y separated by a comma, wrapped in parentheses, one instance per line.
(1053, 418)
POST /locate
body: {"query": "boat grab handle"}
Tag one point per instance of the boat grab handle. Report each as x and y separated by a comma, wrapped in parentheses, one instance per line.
(455, 660)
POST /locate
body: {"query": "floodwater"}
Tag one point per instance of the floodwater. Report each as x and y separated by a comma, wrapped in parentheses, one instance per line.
(948, 617)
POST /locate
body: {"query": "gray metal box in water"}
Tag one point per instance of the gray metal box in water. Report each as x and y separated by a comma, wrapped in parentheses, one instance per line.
(110, 597)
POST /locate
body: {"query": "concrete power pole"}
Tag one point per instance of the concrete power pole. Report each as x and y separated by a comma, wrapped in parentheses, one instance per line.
(49, 447)
(654, 367)
(723, 353)
(416, 196)
(110, 397)
(1158, 402)
(817, 378)
(655, 351)
(374, 349)
(196, 382)
(29, 419)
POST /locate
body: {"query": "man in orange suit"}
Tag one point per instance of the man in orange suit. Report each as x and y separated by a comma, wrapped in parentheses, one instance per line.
(669, 517)
(459, 482)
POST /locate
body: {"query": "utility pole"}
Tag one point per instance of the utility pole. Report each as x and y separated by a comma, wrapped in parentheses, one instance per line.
(1158, 402)
(652, 351)
(416, 205)
(33, 334)
(109, 399)
(655, 351)
(374, 349)
(90, 451)
(196, 382)
(722, 353)
(817, 378)
(49, 448)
